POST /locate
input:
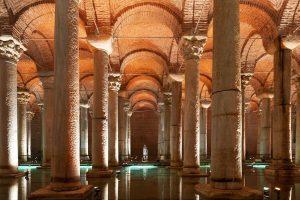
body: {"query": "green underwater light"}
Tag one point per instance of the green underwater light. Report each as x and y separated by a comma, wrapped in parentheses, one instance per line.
(140, 167)
(27, 167)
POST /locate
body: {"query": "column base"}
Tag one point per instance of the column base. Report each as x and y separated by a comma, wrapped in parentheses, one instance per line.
(175, 165)
(192, 172)
(207, 192)
(84, 158)
(99, 173)
(84, 193)
(283, 171)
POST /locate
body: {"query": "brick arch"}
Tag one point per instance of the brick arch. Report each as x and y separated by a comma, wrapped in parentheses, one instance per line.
(143, 82)
(144, 105)
(143, 95)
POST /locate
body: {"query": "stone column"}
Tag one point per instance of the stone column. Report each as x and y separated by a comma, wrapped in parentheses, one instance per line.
(100, 117)
(264, 140)
(128, 134)
(282, 165)
(10, 52)
(167, 121)
(192, 47)
(298, 124)
(114, 87)
(176, 132)
(84, 131)
(160, 145)
(29, 116)
(205, 104)
(65, 162)
(23, 99)
(226, 153)
(245, 78)
(48, 123)
(122, 130)
(43, 129)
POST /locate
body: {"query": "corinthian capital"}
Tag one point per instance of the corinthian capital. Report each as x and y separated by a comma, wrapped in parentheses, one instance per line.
(114, 82)
(10, 48)
(192, 47)
(29, 115)
(23, 96)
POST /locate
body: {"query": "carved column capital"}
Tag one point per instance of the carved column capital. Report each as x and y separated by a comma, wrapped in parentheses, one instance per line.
(205, 103)
(192, 47)
(10, 48)
(23, 96)
(167, 98)
(264, 93)
(245, 78)
(114, 82)
(30, 115)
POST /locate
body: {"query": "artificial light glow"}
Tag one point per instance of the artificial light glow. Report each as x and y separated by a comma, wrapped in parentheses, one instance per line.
(141, 167)
(277, 189)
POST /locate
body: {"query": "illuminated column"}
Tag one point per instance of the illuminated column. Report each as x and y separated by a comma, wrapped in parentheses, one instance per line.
(167, 125)
(43, 129)
(122, 130)
(114, 87)
(245, 78)
(264, 140)
(84, 131)
(161, 125)
(298, 123)
(176, 131)
(226, 140)
(282, 165)
(128, 133)
(30, 116)
(205, 104)
(48, 123)
(23, 99)
(192, 48)
(10, 52)
(100, 117)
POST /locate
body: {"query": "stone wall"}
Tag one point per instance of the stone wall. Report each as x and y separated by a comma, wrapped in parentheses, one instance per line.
(144, 130)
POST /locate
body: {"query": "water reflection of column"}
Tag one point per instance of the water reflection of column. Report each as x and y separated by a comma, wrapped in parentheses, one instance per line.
(127, 184)
(113, 189)
(23, 188)
(175, 186)
(104, 192)
(9, 188)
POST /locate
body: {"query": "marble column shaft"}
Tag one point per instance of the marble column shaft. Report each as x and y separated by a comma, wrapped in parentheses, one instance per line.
(23, 99)
(167, 122)
(65, 160)
(205, 104)
(100, 112)
(161, 141)
(297, 156)
(282, 137)
(265, 126)
(10, 52)
(114, 86)
(192, 48)
(29, 116)
(84, 131)
(226, 151)
(176, 131)
(48, 114)
(122, 130)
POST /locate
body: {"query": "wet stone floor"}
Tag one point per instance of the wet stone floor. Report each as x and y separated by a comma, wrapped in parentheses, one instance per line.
(145, 182)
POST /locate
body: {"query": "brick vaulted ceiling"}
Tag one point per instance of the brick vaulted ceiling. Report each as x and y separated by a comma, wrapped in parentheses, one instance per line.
(146, 35)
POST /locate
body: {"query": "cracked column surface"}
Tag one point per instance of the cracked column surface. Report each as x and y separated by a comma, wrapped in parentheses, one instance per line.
(10, 52)
(282, 164)
(100, 117)
(176, 131)
(114, 87)
(226, 140)
(23, 99)
(84, 131)
(29, 116)
(205, 104)
(192, 48)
